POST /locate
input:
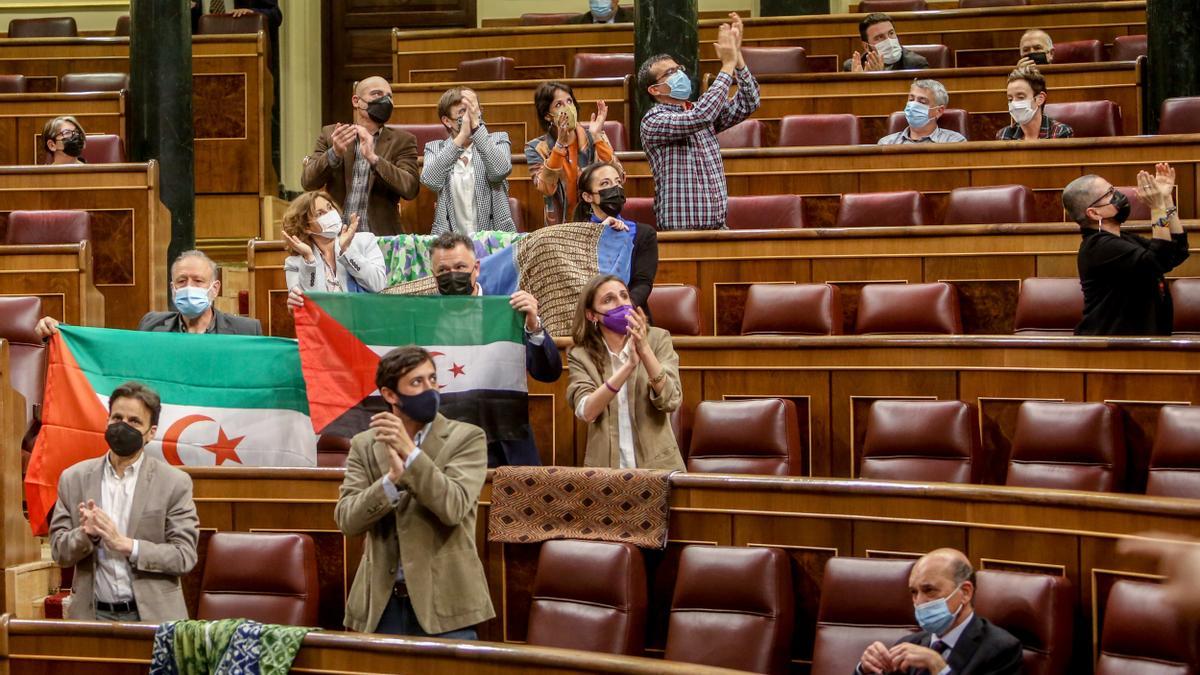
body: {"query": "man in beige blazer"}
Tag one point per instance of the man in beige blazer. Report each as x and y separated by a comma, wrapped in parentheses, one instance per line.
(126, 521)
(412, 486)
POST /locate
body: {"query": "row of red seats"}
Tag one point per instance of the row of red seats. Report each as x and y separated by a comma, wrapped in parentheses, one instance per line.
(71, 83)
(65, 27)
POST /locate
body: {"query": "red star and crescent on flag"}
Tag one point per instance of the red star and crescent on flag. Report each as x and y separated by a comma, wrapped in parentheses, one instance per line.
(223, 450)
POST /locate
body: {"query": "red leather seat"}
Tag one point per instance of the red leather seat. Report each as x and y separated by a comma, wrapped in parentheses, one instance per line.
(1142, 633)
(1089, 119)
(424, 133)
(990, 205)
(617, 136)
(1175, 458)
(885, 309)
(1128, 47)
(744, 134)
(602, 610)
(775, 60)
(546, 18)
(228, 24)
(514, 207)
(602, 65)
(809, 130)
(932, 441)
(1037, 609)
(720, 443)
(765, 212)
(48, 227)
(1049, 306)
(122, 28)
(332, 451)
(1078, 51)
(882, 209)
(792, 309)
(43, 28)
(869, 6)
(733, 608)
(938, 56)
(26, 351)
(970, 4)
(491, 69)
(1069, 446)
(681, 424)
(862, 600)
(1185, 295)
(954, 119)
(13, 84)
(676, 309)
(1180, 115)
(78, 82)
(104, 149)
(266, 577)
(640, 210)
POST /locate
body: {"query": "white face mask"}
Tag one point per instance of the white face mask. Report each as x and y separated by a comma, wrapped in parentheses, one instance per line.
(889, 50)
(331, 224)
(1021, 111)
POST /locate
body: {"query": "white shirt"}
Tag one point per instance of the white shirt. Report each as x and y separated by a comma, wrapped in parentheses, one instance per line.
(393, 492)
(624, 414)
(462, 192)
(951, 639)
(114, 573)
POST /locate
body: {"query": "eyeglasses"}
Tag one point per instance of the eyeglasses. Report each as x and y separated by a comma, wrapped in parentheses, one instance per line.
(1107, 195)
(672, 71)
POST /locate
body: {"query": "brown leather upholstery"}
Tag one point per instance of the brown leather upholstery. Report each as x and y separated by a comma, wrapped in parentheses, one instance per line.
(682, 420)
(546, 18)
(332, 451)
(676, 309)
(26, 351)
(733, 608)
(868, 6)
(969, 4)
(1049, 306)
(589, 595)
(1138, 210)
(954, 119)
(514, 207)
(809, 130)
(938, 56)
(1037, 609)
(602, 65)
(744, 134)
(1175, 458)
(996, 204)
(765, 212)
(122, 28)
(43, 27)
(228, 24)
(1078, 51)
(792, 309)
(103, 149)
(267, 577)
(1089, 119)
(491, 69)
(1142, 634)
(908, 308)
(1180, 115)
(932, 441)
(1128, 48)
(640, 210)
(48, 227)
(76, 82)
(1070, 446)
(618, 138)
(883, 209)
(862, 600)
(1185, 295)
(424, 133)
(775, 60)
(13, 84)
(720, 443)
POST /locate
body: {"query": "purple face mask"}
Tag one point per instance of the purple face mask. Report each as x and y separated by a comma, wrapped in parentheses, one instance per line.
(616, 320)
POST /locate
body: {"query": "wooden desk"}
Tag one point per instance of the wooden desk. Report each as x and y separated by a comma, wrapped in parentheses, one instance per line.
(22, 117)
(61, 275)
(130, 231)
(16, 543)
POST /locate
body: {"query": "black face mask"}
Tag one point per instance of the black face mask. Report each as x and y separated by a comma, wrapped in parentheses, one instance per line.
(1040, 58)
(612, 200)
(422, 407)
(380, 110)
(73, 145)
(455, 283)
(123, 439)
(1120, 201)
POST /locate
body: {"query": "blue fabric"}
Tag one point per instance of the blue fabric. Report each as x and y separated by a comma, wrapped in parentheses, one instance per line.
(162, 661)
(615, 250)
(498, 273)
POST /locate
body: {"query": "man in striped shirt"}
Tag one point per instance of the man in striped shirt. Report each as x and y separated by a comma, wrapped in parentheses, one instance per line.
(680, 138)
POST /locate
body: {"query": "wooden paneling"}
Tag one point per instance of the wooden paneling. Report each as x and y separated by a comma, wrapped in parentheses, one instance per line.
(60, 275)
(22, 117)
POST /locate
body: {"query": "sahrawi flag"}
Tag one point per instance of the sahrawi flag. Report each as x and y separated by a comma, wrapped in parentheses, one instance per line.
(476, 344)
(227, 400)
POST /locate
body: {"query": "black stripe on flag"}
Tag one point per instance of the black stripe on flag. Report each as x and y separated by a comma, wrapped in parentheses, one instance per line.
(503, 415)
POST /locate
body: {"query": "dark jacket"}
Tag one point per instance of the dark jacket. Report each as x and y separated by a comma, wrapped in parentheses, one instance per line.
(1124, 292)
(908, 61)
(983, 649)
(544, 364)
(624, 15)
(222, 323)
(643, 267)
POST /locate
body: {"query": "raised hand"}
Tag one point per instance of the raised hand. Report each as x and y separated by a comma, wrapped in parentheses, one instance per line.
(524, 302)
(874, 62)
(390, 431)
(302, 248)
(738, 28)
(343, 136)
(1160, 187)
(726, 47)
(463, 137)
(856, 62)
(366, 144)
(349, 229)
(596, 124)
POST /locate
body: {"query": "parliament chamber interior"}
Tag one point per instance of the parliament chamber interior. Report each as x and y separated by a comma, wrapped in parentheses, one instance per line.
(869, 372)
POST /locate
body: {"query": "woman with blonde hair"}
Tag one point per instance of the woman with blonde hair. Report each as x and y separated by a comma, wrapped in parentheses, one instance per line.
(624, 381)
(329, 254)
(63, 139)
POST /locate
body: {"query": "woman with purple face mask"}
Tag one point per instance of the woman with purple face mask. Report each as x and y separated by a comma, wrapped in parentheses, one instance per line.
(624, 381)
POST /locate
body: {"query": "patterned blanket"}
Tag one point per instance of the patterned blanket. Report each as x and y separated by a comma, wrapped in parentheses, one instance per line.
(407, 255)
(225, 647)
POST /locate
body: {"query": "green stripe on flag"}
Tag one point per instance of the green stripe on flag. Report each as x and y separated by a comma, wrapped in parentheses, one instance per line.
(218, 371)
(424, 319)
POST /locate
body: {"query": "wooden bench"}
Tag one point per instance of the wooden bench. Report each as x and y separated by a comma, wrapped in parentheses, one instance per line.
(60, 274)
(22, 117)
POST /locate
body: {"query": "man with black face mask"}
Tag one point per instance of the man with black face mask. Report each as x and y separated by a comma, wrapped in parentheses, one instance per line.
(366, 166)
(1124, 292)
(126, 522)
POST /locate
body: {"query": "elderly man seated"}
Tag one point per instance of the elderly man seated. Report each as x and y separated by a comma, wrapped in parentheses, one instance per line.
(927, 101)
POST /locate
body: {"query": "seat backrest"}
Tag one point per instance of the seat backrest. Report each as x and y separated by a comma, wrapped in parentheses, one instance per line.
(514, 207)
(681, 425)
(1142, 633)
(869, 6)
(1088, 119)
(332, 450)
(13, 84)
(122, 27)
(908, 308)
(1049, 306)
(1175, 457)
(423, 132)
(1078, 51)
(26, 351)
(792, 309)
(720, 443)
(1180, 115)
(938, 56)
(954, 119)
(744, 134)
(48, 227)
(1037, 609)
(932, 441)
(676, 309)
(1069, 446)
(603, 610)
(228, 24)
(775, 60)
(765, 212)
(103, 149)
(862, 600)
(882, 209)
(1185, 296)
(78, 82)
(546, 18)
(640, 210)
(602, 65)
(618, 138)
(1128, 47)
(970, 4)
(43, 27)
(491, 69)
(733, 608)
(267, 577)
(995, 204)
(808, 130)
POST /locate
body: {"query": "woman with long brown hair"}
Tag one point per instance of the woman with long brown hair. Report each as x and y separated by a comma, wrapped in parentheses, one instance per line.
(328, 253)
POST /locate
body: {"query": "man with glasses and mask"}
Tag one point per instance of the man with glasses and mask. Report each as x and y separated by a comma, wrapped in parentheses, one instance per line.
(680, 138)
(1122, 274)
(366, 167)
(952, 639)
(127, 560)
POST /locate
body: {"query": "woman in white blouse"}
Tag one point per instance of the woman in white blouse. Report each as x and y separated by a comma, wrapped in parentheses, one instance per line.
(328, 254)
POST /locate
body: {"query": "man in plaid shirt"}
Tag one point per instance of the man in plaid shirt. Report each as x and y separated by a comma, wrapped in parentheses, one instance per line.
(680, 139)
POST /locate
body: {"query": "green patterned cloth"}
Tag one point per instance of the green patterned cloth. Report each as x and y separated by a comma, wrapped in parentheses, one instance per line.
(225, 647)
(407, 255)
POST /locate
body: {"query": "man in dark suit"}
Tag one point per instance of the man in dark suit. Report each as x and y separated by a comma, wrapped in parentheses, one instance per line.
(604, 11)
(952, 640)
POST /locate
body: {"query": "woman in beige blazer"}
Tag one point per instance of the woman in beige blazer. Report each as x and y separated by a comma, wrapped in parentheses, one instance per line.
(624, 381)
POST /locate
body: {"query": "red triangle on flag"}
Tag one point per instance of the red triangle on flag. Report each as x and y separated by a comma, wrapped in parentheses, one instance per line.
(339, 370)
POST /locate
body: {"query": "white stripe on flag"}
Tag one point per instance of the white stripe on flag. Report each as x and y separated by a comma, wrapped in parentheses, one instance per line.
(499, 366)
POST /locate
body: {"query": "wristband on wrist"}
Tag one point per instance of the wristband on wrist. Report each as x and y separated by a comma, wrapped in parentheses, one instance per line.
(662, 375)
(611, 388)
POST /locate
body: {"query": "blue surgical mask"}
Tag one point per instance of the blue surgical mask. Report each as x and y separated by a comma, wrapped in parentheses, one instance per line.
(917, 114)
(601, 9)
(680, 84)
(192, 301)
(935, 616)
